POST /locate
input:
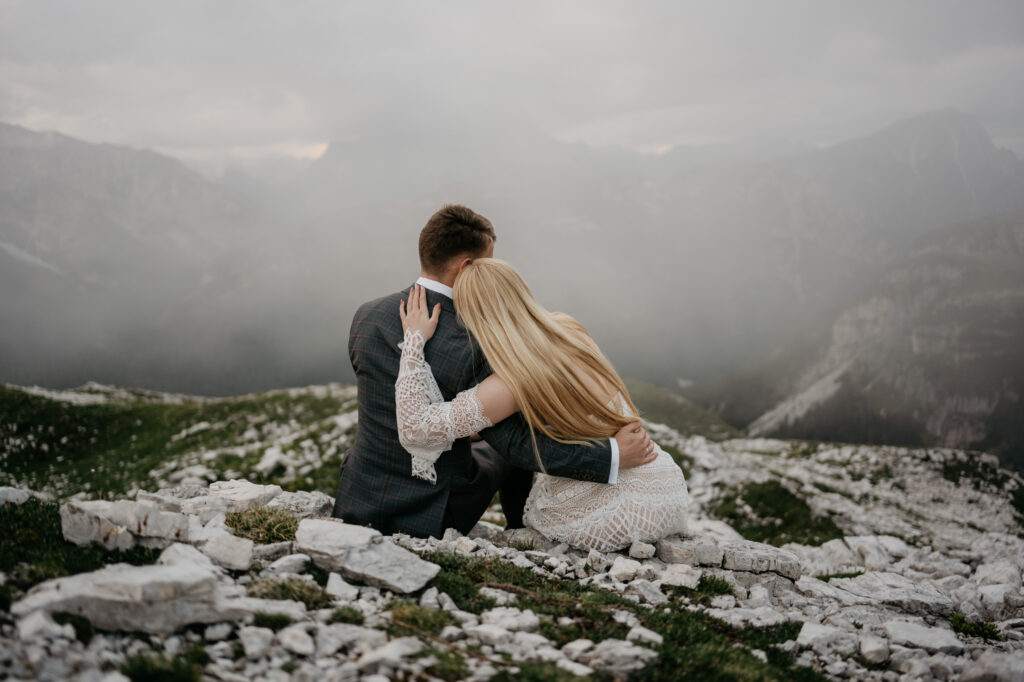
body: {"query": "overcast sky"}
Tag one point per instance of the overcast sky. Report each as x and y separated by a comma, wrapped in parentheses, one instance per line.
(220, 79)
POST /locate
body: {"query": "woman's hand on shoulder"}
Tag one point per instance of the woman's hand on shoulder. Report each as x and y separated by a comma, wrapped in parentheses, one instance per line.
(415, 315)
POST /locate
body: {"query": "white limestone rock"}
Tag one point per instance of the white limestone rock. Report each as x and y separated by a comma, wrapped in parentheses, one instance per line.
(354, 639)
(639, 633)
(180, 554)
(681, 575)
(229, 551)
(391, 654)
(241, 495)
(9, 495)
(870, 552)
(647, 591)
(512, 619)
(624, 569)
(577, 648)
(641, 550)
(920, 636)
(995, 666)
(362, 554)
(617, 656)
(597, 561)
(255, 641)
(696, 551)
(742, 617)
(290, 563)
(758, 557)
(39, 625)
(250, 606)
(155, 599)
(488, 633)
(388, 566)
(295, 639)
(998, 573)
(119, 524)
(217, 632)
(574, 668)
(823, 638)
(500, 597)
(327, 541)
(303, 504)
(271, 551)
(896, 590)
(874, 649)
(339, 589)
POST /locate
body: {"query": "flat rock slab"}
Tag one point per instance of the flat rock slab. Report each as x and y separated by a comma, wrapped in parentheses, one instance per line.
(303, 504)
(9, 495)
(757, 557)
(155, 599)
(896, 590)
(690, 551)
(995, 666)
(617, 656)
(362, 554)
(120, 524)
(243, 495)
(923, 637)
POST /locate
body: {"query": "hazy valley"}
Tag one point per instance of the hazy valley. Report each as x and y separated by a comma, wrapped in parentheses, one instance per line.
(795, 291)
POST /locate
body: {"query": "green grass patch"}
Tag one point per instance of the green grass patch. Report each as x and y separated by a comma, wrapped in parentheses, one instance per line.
(295, 589)
(450, 664)
(1017, 500)
(779, 516)
(707, 588)
(34, 548)
(406, 616)
(84, 631)
(976, 471)
(160, 668)
(697, 646)
(346, 614)
(537, 672)
(263, 525)
(109, 449)
(984, 629)
(274, 621)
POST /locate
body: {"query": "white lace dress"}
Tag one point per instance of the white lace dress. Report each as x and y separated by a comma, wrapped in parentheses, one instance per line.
(646, 503)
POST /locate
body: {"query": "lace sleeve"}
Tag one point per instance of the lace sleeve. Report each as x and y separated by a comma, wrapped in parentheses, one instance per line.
(427, 426)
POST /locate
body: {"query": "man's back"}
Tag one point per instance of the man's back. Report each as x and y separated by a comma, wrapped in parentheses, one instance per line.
(376, 486)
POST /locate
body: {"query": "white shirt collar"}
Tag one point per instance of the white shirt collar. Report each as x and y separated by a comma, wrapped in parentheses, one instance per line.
(435, 286)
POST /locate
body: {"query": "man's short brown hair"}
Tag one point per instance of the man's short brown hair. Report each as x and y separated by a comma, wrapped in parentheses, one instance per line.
(451, 232)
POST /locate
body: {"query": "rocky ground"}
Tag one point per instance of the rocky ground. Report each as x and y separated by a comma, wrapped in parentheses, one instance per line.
(803, 560)
(400, 607)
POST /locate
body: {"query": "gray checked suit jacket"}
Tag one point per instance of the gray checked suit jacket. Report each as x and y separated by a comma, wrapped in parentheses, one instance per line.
(376, 487)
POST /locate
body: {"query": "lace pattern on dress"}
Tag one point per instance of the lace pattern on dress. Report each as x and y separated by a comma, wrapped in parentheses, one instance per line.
(648, 503)
(427, 426)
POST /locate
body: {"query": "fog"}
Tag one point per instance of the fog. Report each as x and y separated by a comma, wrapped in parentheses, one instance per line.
(707, 186)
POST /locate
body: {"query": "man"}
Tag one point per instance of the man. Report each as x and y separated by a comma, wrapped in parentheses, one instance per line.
(376, 487)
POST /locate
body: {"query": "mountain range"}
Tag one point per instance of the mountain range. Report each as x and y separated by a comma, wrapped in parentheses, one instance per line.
(727, 271)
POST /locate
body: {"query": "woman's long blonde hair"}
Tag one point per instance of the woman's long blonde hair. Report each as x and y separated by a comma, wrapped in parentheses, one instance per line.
(543, 357)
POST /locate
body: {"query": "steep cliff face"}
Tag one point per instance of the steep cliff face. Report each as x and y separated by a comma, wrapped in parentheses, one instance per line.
(933, 352)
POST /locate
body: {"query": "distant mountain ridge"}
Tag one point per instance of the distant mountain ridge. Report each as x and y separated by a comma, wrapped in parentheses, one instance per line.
(133, 270)
(932, 353)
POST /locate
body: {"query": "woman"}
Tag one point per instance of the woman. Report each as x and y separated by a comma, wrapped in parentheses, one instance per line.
(548, 367)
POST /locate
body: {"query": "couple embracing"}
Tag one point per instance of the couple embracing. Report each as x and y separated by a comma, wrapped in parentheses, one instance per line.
(468, 352)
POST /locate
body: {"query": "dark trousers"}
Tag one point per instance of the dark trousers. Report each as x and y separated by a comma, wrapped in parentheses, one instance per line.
(472, 491)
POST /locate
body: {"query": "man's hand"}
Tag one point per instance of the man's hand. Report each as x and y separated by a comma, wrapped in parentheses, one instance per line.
(418, 318)
(635, 446)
